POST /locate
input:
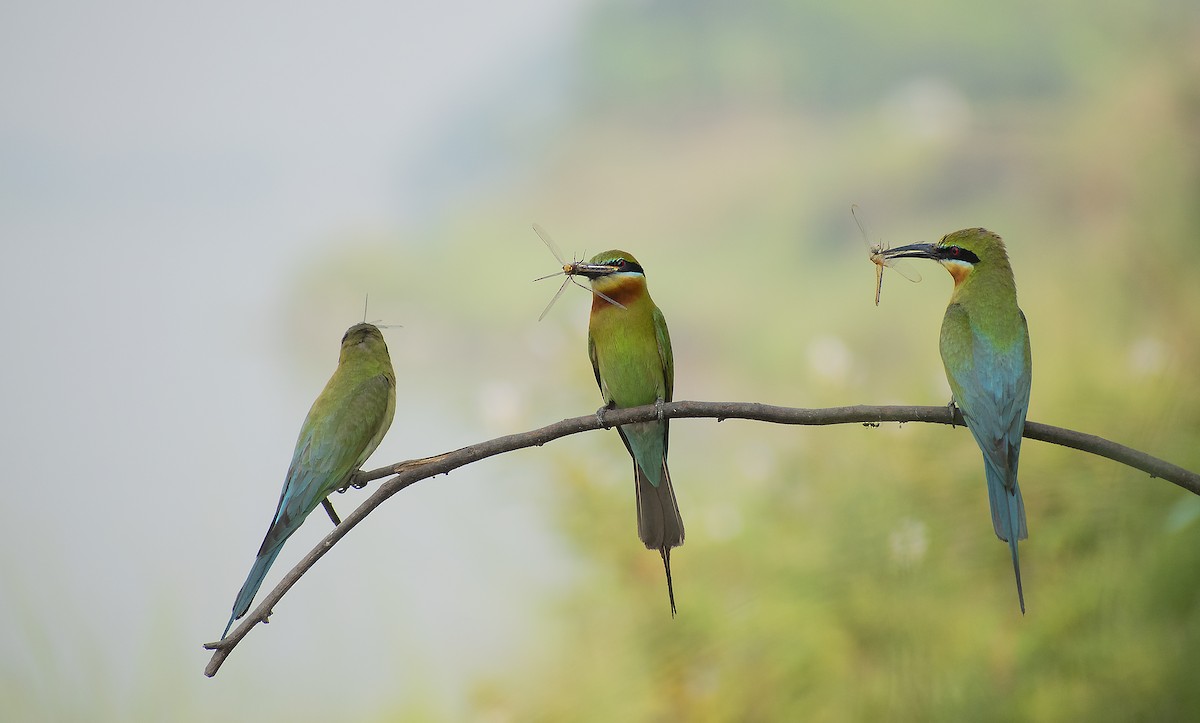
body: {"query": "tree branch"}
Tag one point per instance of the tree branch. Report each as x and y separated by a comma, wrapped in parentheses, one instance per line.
(407, 473)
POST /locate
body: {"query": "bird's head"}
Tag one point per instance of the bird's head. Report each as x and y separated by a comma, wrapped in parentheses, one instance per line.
(616, 274)
(960, 253)
(363, 339)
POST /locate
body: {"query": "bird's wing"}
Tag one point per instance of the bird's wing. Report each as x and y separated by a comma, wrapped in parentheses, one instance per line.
(1019, 407)
(663, 337)
(596, 368)
(338, 435)
(992, 390)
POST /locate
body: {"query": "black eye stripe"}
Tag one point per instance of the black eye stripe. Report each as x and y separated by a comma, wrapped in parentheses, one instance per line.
(958, 253)
(625, 265)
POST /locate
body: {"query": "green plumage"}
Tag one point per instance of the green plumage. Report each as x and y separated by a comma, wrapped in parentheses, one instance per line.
(630, 350)
(344, 426)
(985, 350)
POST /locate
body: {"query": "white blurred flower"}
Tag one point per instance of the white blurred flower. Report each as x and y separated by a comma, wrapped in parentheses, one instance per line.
(829, 358)
(1147, 356)
(908, 543)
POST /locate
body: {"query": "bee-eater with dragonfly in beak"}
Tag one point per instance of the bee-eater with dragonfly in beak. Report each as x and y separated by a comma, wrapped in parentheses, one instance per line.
(985, 350)
(631, 357)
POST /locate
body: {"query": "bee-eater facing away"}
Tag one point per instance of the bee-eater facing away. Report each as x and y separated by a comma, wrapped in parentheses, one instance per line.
(985, 349)
(342, 429)
(630, 351)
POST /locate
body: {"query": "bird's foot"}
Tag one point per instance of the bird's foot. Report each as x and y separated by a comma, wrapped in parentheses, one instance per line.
(954, 412)
(658, 404)
(356, 481)
(600, 416)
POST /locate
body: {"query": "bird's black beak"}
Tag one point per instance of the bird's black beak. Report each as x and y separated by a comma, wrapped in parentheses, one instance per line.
(912, 251)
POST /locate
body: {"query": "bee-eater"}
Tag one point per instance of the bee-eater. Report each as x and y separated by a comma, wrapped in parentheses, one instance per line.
(342, 429)
(630, 351)
(985, 349)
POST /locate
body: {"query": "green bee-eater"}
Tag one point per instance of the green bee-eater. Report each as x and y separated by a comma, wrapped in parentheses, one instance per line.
(985, 349)
(342, 429)
(630, 351)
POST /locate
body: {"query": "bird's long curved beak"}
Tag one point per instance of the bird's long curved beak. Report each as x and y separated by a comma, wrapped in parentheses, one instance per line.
(592, 271)
(911, 251)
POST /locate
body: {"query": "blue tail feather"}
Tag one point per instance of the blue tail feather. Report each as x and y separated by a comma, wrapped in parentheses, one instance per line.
(1008, 520)
(647, 444)
(253, 582)
(1012, 545)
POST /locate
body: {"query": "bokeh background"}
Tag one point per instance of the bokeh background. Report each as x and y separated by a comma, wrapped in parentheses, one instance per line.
(196, 197)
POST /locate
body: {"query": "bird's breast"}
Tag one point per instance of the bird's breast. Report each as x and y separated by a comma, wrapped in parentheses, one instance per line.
(627, 357)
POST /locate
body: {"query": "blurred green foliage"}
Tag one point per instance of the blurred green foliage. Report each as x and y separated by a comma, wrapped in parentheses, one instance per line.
(851, 573)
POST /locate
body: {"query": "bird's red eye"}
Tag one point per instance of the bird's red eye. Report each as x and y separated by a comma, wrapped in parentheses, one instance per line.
(620, 263)
(955, 251)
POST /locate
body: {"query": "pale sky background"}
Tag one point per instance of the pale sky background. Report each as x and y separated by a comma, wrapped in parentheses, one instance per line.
(165, 169)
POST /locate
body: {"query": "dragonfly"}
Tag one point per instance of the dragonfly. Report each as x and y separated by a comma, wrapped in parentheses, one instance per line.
(570, 269)
(876, 250)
